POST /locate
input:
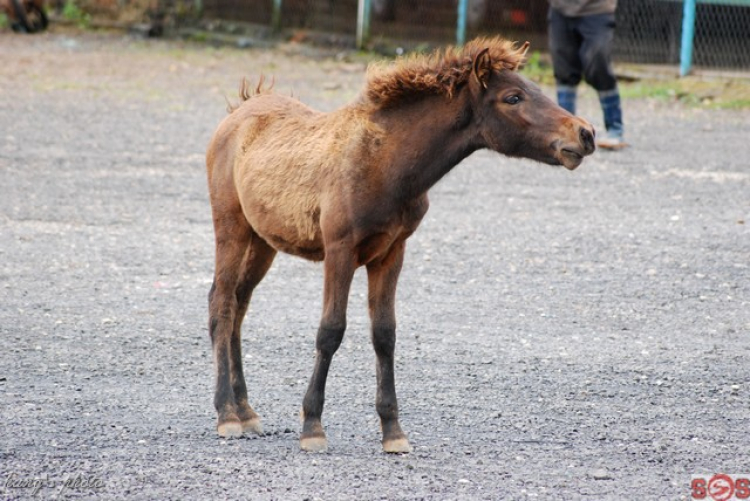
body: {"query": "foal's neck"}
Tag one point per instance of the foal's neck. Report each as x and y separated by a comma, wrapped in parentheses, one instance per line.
(427, 138)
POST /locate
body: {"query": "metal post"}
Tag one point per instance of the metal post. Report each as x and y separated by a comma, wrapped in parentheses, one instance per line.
(688, 34)
(363, 23)
(463, 6)
(276, 16)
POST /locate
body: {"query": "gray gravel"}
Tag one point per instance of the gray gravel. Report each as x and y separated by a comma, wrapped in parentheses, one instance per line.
(562, 335)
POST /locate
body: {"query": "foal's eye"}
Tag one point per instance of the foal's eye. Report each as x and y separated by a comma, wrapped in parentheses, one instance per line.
(513, 99)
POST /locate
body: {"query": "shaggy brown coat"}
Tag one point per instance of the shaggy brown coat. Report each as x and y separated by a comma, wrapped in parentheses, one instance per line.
(348, 188)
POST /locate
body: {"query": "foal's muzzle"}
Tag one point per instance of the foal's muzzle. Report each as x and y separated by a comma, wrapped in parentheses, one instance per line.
(587, 140)
(571, 153)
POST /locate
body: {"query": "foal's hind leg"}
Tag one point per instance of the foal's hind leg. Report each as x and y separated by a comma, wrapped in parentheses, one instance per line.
(258, 260)
(382, 277)
(237, 272)
(231, 247)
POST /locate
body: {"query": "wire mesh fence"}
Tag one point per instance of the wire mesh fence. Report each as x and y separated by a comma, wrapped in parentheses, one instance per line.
(648, 31)
(722, 35)
(338, 16)
(252, 11)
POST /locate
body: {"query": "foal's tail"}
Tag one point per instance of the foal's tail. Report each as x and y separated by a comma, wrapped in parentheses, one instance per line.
(246, 91)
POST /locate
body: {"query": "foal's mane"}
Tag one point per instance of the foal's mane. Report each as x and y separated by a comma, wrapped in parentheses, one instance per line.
(442, 72)
(246, 91)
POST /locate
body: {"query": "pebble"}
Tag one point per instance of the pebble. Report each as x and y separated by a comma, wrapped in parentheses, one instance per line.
(601, 474)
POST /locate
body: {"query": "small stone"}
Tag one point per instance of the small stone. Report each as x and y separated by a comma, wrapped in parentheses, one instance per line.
(601, 474)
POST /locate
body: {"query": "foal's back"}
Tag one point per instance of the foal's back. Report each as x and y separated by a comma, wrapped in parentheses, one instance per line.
(282, 161)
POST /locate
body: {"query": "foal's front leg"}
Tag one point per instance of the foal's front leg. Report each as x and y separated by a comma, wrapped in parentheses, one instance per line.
(339, 269)
(382, 277)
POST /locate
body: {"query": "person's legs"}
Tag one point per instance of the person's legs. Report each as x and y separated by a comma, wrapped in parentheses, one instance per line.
(596, 56)
(612, 111)
(564, 44)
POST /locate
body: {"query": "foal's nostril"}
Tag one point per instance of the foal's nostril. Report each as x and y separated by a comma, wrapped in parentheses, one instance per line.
(587, 139)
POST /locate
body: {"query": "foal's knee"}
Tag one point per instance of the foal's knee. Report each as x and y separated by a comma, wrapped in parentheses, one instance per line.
(384, 339)
(329, 337)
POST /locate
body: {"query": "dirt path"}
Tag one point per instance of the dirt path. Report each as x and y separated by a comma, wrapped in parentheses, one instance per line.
(562, 335)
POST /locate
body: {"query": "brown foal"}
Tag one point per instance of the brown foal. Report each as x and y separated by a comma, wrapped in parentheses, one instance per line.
(348, 188)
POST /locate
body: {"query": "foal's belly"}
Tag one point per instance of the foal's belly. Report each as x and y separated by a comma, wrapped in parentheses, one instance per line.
(282, 204)
(296, 234)
(308, 250)
(287, 230)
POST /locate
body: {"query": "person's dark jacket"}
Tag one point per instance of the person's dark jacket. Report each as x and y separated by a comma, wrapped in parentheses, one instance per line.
(578, 8)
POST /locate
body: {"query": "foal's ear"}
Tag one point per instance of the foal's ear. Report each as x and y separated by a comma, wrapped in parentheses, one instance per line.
(523, 51)
(483, 67)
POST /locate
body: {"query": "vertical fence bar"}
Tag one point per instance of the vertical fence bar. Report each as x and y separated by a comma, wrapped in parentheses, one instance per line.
(363, 23)
(276, 16)
(463, 6)
(688, 34)
(368, 12)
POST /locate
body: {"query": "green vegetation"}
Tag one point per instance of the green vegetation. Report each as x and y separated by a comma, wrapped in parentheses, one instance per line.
(721, 93)
(538, 69)
(3, 21)
(199, 36)
(74, 13)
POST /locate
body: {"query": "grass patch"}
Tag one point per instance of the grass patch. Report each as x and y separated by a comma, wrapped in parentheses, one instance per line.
(538, 69)
(75, 14)
(716, 93)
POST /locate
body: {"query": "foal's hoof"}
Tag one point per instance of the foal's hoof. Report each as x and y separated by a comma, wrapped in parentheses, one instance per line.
(313, 444)
(254, 425)
(230, 429)
(397, 446)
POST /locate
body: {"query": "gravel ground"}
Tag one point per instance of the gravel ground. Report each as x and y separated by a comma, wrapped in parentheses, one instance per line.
(562, 335)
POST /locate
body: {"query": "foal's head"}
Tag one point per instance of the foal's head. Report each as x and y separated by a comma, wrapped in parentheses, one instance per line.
(515, 118)
(507, 112)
